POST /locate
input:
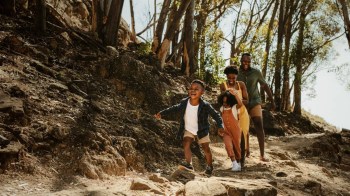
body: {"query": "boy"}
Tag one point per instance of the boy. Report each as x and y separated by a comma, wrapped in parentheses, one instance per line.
(194, 123)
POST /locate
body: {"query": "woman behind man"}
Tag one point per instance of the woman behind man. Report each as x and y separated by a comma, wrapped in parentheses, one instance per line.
(231, 73)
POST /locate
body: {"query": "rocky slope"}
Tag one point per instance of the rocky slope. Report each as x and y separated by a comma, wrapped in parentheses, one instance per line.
(78, 120)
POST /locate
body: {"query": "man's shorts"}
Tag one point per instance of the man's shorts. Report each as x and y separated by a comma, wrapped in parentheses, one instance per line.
(205, 139)
(256, 111)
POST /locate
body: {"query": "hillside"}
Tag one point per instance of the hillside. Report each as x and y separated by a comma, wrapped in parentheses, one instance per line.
(78, 120)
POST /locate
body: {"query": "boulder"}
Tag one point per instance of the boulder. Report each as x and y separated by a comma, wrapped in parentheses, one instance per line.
(205, 186)
(140, 184)
(253, 187)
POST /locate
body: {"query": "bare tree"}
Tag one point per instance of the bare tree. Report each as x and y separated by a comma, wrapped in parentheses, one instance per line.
(268, 46)
(133, 36)
(345, 12)
(40, 19)
(279, 53)
(157, 38)
(304, 10)
(170, 32)
(113, 20)
(106, 16)
(188, 55)
(199, 38)
(290, 10)
(155, 16)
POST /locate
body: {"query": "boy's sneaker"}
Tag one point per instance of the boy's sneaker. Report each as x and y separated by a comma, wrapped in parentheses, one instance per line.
(209, 170)
(186, 165)
(236, 166)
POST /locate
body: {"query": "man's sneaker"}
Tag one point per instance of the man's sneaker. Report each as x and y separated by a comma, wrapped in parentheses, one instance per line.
(186, 165)
(236, 166)
(209, 170)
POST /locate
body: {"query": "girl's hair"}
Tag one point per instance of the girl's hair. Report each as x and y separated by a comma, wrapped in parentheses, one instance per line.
(200, 82)
(230, 99)
(231, 69)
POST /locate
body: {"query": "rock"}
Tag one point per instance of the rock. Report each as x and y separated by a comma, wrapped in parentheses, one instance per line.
(11, 105)
(124, 33)
(158, 178)
(126, 146)
(182, 175)
(76, 90)
(315, 187)
(10, 154)
(16, 91)
(281, 174)
(58, 132)
(291, 163)
(205, 186)
(58, 86)
(112, 51)
(99, 166)
(3, 141)
(140, 184)
(247, 187)
(43, 68)
(68, 40)
(327, 172)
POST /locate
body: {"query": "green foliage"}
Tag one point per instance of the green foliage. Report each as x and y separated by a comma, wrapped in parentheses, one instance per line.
(343, 72)
(144, 48)
(213, 60)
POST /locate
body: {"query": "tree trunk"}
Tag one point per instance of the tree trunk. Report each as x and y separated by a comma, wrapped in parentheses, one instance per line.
(112, 25)
(155, 17)
(344, 8)
(279, 53)
(267, 47)
(40, 18)
(94, 15)
(188, 55)
(133, 32)
(201, 20)
(286, 64)
(157, 38)
(164, 48)
(252, 42)
(234, 50)
(8, 7)
(299, 52)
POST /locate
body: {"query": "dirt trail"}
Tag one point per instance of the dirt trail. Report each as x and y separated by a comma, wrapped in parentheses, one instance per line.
(287, 171)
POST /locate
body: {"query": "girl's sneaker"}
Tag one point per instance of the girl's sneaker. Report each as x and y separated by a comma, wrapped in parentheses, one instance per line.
(235, 166)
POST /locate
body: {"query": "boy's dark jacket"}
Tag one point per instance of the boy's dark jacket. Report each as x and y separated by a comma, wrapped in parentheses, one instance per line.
(204, 110)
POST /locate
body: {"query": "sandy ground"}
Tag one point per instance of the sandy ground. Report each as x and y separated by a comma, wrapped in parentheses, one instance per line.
(291, 174)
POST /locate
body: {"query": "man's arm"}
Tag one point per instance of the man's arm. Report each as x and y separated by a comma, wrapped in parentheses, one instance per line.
(269, 94)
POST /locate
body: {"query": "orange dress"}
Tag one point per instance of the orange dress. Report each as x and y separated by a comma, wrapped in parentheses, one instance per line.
(243, 116)
(232, 134)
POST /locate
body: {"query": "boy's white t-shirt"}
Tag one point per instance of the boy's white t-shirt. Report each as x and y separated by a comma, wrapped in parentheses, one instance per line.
(191, 118)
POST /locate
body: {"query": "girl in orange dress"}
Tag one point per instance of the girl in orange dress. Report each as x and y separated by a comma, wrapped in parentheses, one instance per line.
(230, 105)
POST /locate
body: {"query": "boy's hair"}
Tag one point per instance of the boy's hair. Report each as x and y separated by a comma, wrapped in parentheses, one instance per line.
(230, 99)
(200, 82)
(231, 69)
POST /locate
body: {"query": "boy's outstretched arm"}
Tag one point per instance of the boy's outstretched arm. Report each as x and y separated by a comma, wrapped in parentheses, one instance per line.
(213, 113)
(167, 111)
